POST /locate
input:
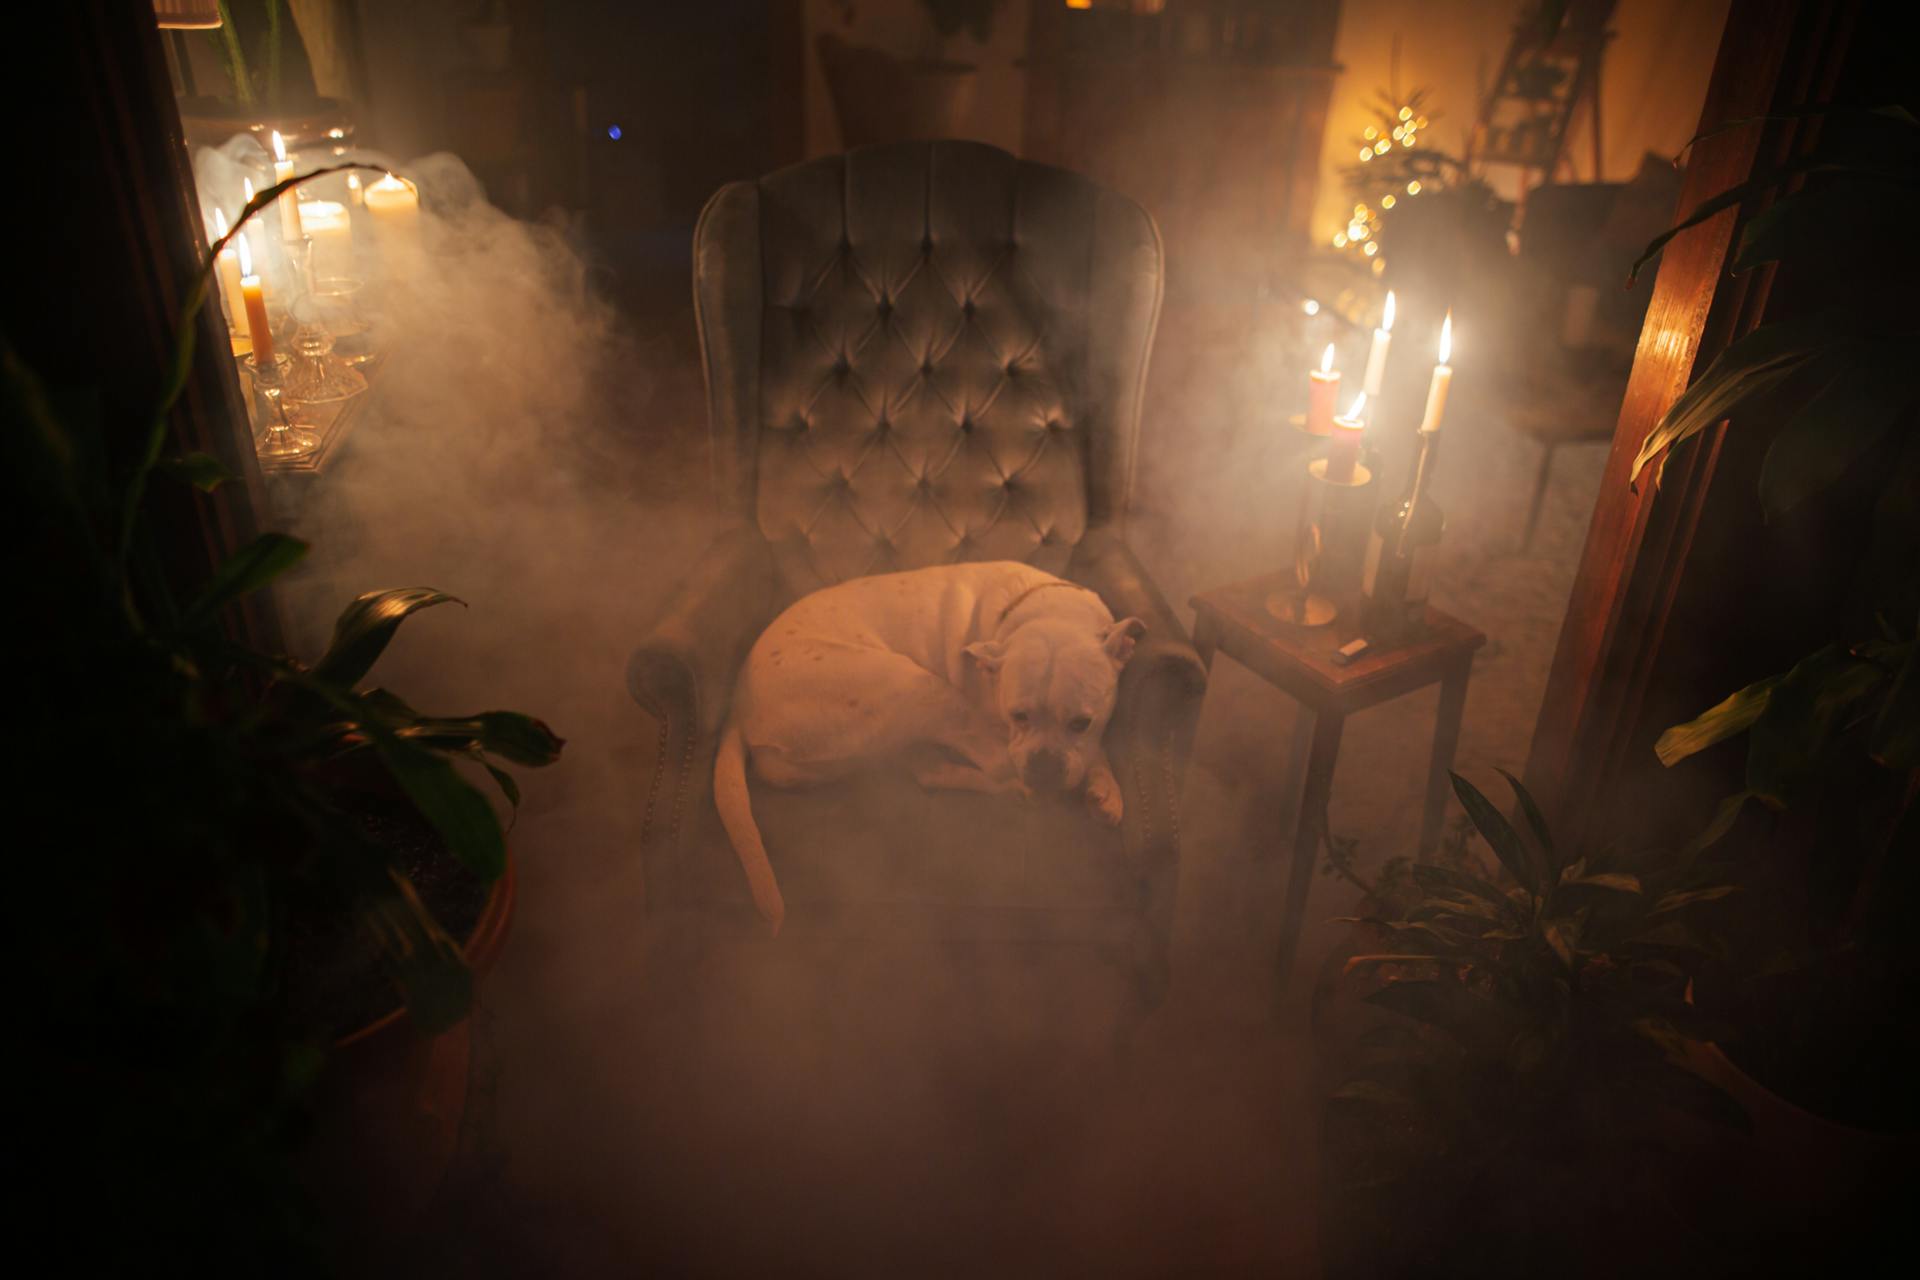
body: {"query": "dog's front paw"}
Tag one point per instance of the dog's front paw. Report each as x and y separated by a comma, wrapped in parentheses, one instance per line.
(1103, 797)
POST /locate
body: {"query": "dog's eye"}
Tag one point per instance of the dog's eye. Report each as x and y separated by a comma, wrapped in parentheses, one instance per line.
(1080, 724)
(1019, 717)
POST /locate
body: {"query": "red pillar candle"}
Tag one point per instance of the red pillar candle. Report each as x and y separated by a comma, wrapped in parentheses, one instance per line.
(1322, 385)
(1343, 450)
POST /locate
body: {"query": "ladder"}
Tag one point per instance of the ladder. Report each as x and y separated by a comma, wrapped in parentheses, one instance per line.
(1551, 67)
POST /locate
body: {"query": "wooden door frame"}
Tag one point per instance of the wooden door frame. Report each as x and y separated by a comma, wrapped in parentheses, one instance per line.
(1773, 54)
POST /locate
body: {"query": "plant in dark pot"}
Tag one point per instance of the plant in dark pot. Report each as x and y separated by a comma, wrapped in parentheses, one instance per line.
(898, 85)
(227, 860)
(1522, 1082)
(1821, 977)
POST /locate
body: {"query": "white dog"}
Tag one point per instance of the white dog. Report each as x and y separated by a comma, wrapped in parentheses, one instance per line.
(989, 677)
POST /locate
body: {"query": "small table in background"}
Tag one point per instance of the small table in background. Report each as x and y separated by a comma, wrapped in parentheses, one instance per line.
(1299, 662)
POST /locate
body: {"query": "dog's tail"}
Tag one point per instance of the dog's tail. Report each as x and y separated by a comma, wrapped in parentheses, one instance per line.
(736, 815)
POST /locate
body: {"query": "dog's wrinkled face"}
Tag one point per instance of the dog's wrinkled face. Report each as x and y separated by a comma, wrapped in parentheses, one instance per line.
(1054, 685)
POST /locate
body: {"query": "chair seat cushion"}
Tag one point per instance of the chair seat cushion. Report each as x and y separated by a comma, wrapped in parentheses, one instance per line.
(881, 839)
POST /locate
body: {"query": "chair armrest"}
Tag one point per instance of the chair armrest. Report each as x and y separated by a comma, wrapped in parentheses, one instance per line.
(1164, 668)
(683, 670)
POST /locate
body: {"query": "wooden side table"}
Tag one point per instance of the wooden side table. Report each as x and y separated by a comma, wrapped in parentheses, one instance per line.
(1299, 662)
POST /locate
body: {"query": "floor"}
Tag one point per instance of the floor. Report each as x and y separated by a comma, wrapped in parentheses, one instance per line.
(836, 1110)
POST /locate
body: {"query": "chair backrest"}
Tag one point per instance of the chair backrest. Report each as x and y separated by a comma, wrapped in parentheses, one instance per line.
(922, 353)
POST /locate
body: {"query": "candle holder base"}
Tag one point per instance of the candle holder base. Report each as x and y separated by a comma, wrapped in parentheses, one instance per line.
(285, 443)
(1302, 609)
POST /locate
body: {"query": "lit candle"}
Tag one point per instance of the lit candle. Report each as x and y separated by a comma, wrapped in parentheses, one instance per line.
(1322, 385)
(1377, 354)
(394, 207)
(1442, 377)
(290, 202)
(326, 224)
(1343, 451)
(354, 196)
(227, 272)
(255, 301)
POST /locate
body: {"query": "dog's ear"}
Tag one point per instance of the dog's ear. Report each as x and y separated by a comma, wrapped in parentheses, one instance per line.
(1119, 639)
(988, 653)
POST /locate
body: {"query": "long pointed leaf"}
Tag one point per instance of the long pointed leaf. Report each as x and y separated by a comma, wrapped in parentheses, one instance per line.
(1847, 417)
(248, 569)
(1896, 731)
(1500, 835)
(1536, 822)
(456, 809)
(1733, 714)
(365, 627)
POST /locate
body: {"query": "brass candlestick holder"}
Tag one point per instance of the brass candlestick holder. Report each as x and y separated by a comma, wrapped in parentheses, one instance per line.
(1326, 553)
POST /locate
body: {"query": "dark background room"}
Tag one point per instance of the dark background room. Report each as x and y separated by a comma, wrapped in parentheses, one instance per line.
(964, 637)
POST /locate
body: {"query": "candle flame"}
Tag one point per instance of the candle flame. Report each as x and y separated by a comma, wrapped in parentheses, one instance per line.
(1326, 359)
(246, 185)
(219, 222)
(1446, 338)
(353, 182)
(279, 146)
(1359, 403)
(246, 256)
(1386, 316)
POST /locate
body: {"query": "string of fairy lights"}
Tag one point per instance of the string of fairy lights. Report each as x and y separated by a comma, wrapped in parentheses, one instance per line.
(1400, 128)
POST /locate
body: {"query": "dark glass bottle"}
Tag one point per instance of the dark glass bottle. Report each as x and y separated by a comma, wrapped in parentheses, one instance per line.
(1401, 550)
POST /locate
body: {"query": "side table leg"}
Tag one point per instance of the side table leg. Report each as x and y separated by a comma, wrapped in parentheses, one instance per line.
(1308, 828)
(1206, 637)
(1446, 736)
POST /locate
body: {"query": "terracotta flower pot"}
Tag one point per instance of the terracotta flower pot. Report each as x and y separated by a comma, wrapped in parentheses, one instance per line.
(390, 1106)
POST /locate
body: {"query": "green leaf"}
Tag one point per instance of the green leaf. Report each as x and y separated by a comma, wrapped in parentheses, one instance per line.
(248, 569)
(1619, 882)
(1724, 816)
(201, 470)
(1788, 744)
(1730, 382)
(456, 809)
(423, 961)
(1896, 731)
(1736, 713)
(1688, 897)
(1536, 822)
(1844, 419)
(504, 780)
(365, 627)
(508, 734)
(1499, 833)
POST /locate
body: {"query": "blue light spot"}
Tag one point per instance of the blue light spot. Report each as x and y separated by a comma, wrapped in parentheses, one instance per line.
(613, 131)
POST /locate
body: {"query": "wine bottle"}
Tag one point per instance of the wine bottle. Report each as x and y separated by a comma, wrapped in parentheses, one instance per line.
(1401, 550)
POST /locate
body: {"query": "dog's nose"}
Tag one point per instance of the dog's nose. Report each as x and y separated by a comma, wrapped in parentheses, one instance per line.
(1046, 769)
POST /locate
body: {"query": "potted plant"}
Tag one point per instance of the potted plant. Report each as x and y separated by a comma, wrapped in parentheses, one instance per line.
(1820, 977)
(265, 856)
(919, 92)
(1524, 1078)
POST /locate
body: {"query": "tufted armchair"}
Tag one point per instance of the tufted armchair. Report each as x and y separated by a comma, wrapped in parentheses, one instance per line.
(917, 354)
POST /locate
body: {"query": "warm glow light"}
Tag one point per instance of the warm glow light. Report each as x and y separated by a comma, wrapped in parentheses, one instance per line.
(1371, 133)
(1360, 211)
(1406, 113)
(1366, 153)
(246, 256)
(1446, 339)
(1311, 307)
(1356, 230)
(1399, 131)
(353, 182)
(1326, 360)
(1339, 239)
(1079, 4)
(1370, 248)
(1386, 314)
(246, 185)
(219, 222)
(1379, 266)
(279, 146)
(1359, 403)
(1382, 147)
(1421, 123)
(1413, 188)
(1386, 202)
